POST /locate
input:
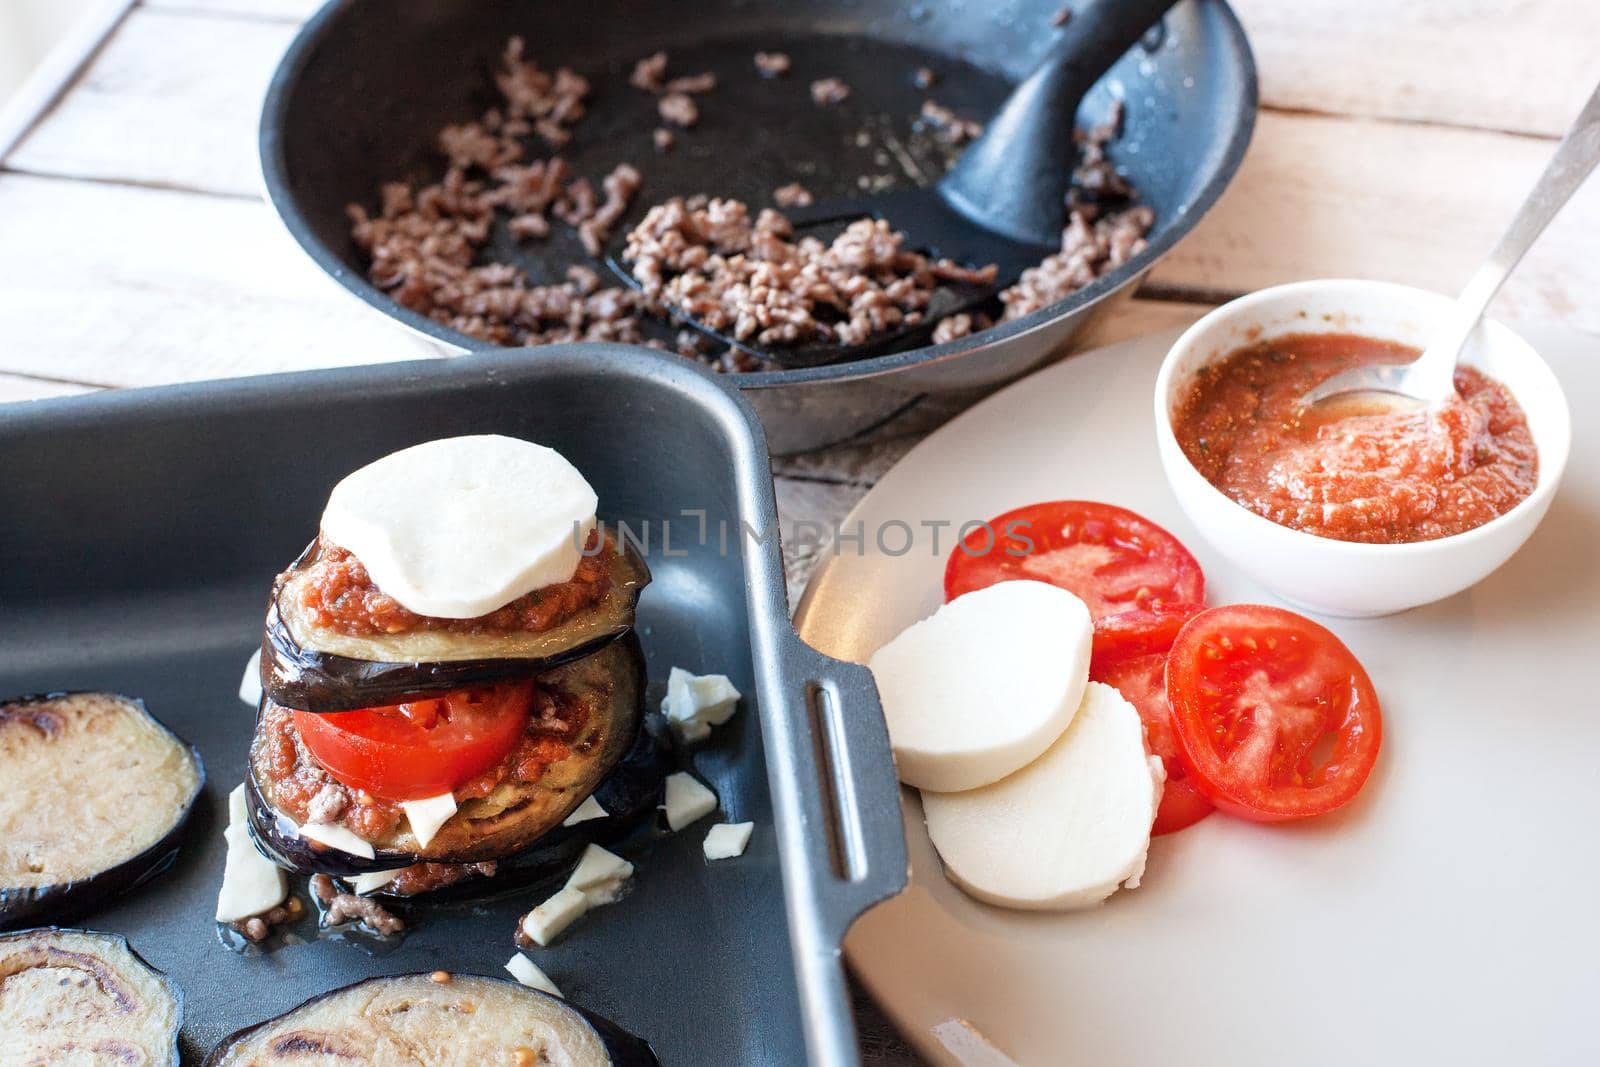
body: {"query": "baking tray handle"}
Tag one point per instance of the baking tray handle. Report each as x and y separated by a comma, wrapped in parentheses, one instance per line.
(838, 818)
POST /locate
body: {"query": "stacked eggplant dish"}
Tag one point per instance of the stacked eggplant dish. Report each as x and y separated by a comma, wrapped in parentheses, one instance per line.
(449, 704)
(446, 671)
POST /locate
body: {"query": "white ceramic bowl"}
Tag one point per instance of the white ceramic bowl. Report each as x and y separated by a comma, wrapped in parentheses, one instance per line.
(1341, 577)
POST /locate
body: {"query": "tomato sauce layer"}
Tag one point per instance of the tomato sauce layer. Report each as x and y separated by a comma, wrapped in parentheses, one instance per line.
(339, 595)
(1375, 476)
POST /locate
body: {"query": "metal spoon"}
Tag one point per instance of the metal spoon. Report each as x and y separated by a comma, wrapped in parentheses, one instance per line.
(1430, 378)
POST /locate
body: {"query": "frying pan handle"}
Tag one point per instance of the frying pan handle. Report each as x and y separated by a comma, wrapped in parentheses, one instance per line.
(837, 806)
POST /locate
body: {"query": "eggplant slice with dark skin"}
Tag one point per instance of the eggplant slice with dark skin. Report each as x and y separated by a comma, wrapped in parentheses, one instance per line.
(465, 1021)
(96, 795)
(321, 669)
(515, 815)
(78, 996)
(630, 794)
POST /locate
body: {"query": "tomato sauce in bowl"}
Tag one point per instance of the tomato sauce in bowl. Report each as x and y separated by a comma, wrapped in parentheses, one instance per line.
(1380, 475)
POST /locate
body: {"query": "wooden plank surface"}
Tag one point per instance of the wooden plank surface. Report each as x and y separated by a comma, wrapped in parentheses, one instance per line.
(15, 387)
(170, 101)
(1519, 65)
(1324, 197)
(115, 285)
(276, 10)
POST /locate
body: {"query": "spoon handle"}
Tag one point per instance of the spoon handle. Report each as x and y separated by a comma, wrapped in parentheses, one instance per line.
(1574, 158)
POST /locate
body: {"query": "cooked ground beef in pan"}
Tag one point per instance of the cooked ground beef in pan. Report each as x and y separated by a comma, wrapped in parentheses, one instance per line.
(772, 64)
(792, 195)
(696, 256)
(829, 91)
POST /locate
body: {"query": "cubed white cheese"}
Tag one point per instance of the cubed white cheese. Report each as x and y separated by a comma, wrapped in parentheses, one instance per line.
(687, 800)
(337, 837)
(528, 973)
(545, 923)
(250, 684)
(726, 840)
(427, 815)
(363, 884)
(696, 702)
(251, 883)
(600, 875)
(589, 809)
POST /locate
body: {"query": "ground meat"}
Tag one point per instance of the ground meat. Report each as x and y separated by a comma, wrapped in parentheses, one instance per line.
(952, 326)
(328, 804)
(340, 908)
(924, 78)
(772, 64)
(1062, 16)
(664, 139)
(426, 877)
(259, 927)
(792, 195)
(1088, 250)
(948, 126)
(424, 241)
(650, 73)
(693, 83)
(338, 594)
(678, 109)
(828, 91)
(756, 281)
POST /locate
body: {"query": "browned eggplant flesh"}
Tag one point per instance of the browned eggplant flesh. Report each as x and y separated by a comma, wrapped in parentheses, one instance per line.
(96, 795)
(333, 642)
(440, 1019)
(589, 715)
(79, 997)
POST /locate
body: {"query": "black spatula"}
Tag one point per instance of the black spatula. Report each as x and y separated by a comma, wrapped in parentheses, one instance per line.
(1002, 203)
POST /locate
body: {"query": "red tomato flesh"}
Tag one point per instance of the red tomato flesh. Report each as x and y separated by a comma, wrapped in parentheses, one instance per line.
(1112, 558)
(421, 749)
(1276, 716)
(1130, 655)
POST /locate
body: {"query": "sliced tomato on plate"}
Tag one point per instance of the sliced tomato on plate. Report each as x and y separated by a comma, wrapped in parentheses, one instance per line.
(1130, 655)
(1276, 716)
(420, 749)
(1112, 558)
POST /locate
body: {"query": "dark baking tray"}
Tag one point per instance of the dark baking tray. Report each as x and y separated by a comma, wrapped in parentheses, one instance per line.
(141, 530)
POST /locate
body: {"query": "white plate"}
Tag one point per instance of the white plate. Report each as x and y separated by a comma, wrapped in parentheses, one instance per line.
(1451, 915)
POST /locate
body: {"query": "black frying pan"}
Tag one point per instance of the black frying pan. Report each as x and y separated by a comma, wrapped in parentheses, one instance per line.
(362, 92)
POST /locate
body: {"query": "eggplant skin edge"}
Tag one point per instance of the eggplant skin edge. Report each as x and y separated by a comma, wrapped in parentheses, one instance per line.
(298, 856)
(296, 677)
(162, 978)
(31, 905)
(623, 1048)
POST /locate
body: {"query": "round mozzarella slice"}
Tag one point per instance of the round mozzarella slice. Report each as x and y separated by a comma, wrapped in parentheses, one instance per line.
(985, 684)
(1066, 830)
(458, 527)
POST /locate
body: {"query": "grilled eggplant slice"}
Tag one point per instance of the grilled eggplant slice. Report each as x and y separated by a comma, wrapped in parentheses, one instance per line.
(76, 996)
(321, 669)
(467, 1021)
(97, 793)
(630, 794)
(608, 684)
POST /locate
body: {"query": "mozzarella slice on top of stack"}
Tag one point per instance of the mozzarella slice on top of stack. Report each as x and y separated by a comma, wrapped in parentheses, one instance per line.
(1067, 830)
(983, 686)
(436, 529)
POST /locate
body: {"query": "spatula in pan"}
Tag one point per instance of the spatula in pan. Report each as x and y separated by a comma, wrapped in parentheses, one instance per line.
(1004, 200)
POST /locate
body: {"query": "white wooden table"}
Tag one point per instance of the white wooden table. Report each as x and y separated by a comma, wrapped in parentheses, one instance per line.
(1395, 139)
